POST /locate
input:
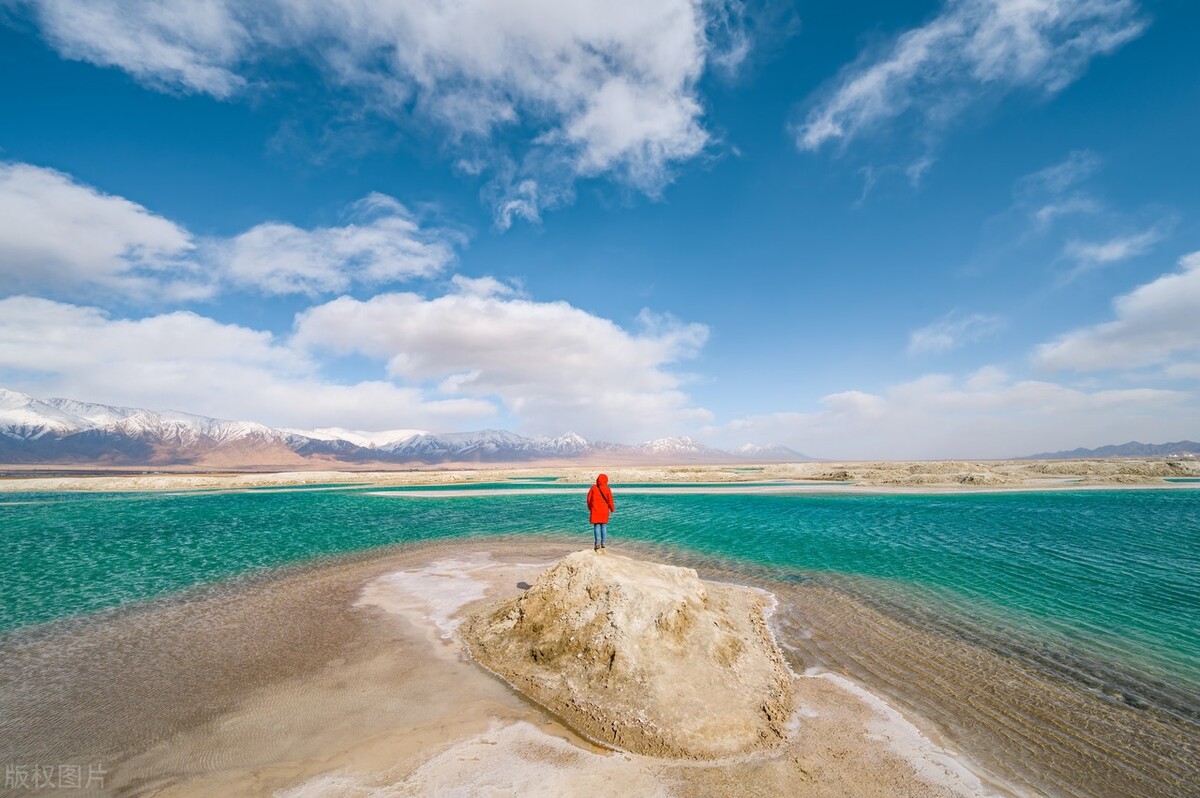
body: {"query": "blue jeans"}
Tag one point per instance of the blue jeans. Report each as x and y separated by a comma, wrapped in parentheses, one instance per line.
(599, 530)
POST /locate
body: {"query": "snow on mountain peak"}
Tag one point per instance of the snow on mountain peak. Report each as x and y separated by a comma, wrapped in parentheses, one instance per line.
(770, 452)
(26, 418)
(367, 440)
(679, 443)
(10, 400)
(36, 430)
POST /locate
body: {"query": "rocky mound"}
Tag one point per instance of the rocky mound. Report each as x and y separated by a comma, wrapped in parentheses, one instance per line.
(642, 656)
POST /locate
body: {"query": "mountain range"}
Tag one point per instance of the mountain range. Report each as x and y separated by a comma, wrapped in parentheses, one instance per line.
(66, 431)
(1131, 449)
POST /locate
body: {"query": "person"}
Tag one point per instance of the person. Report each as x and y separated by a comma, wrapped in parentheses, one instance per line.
(600, 504)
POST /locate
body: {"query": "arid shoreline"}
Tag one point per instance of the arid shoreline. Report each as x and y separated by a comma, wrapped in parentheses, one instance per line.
(837, 477)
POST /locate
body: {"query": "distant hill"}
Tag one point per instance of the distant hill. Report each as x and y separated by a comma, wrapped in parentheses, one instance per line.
(771, 454)
(1131, 449)
(69, 432)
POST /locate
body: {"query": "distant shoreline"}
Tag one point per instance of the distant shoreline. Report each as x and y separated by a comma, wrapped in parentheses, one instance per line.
(916, 477)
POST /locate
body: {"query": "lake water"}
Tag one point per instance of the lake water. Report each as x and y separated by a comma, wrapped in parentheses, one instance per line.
(1096, 593)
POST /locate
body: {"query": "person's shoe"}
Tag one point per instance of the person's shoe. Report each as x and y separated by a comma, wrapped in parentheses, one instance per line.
(597, 547)
(601, 545)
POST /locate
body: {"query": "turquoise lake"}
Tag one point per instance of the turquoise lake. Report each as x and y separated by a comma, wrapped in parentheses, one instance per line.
(1113, 575)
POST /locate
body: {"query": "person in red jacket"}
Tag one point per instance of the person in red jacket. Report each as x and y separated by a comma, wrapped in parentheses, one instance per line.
(600, 504)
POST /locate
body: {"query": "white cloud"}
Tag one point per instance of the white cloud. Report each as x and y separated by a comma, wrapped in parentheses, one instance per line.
(1183, 371)
(1154, 323)
(188, 362)
(916, 170)
(1060, 225)
(482, 287)
(188, 44)
(602, 87)
(69, 238)
(518, 201)
(951, 332)
(384, 244)
(987, 415)
(444, 363)
(1091, 255)
(625, 127)
(553, 365)
(972, 50)
(1074, 205)
(1054, 193)
(1058, 178)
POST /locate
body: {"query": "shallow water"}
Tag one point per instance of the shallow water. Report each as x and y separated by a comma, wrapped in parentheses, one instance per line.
(1056, 636)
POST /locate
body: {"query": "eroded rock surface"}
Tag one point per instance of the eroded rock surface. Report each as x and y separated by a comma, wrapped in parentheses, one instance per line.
(643, 656)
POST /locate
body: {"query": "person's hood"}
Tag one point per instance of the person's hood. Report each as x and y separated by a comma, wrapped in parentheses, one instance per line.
(602, 480)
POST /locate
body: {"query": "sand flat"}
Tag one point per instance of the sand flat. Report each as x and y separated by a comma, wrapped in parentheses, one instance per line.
(844, 740)
(348, 679)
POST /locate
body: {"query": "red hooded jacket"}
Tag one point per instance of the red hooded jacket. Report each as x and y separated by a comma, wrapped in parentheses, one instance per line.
(600, 500)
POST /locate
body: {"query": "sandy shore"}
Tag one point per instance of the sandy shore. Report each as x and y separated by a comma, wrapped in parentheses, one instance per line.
(872, 477)
(349, 679)
(842, 741)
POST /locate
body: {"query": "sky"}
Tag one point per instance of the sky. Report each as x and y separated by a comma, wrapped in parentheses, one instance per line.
(945, 229)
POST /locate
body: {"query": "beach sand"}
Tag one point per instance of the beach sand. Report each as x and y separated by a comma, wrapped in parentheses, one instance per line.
(348, 678)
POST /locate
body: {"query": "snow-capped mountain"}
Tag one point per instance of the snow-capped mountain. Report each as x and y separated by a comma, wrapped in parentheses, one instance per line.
(568, 444)
(681, 447)
(754, 451)
(65, 430)
(68, 431)
(23, 417)
(367, 440)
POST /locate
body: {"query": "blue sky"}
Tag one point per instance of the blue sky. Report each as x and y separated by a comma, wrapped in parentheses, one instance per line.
(922, 229)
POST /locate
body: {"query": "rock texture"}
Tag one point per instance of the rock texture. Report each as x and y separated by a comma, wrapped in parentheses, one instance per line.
(642, 656)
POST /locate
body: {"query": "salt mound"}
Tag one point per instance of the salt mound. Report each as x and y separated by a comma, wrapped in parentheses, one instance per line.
(642, 656)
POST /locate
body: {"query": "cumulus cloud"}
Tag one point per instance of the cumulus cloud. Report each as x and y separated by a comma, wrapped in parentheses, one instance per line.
(1154, 324)
(384, 243)
(70, 240)
(59, 235)
(188, 362)
(971, 51)
(450, 362)
(986, 415)
(952, 331)
(600, 87)
(551, 364)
